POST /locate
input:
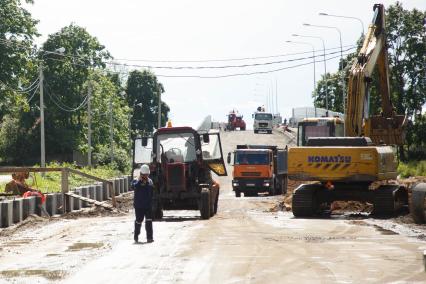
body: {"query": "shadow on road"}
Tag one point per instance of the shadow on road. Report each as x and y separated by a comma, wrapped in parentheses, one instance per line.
(178, 219)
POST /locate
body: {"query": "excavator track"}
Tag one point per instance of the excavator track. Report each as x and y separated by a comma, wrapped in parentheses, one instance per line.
(389, 199)
(304, 203)
(418, 197)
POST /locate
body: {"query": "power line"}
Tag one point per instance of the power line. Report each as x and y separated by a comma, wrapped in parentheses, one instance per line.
(57, 101)
(237, 74)
(227, 59)
(25, 90)
(226, 66)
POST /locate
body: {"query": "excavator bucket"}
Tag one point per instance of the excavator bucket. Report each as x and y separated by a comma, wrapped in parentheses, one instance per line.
(389, 131)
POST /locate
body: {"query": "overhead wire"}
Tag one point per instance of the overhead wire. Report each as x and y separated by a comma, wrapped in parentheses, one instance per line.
(228, 66)
(28, 89)
(57, 101)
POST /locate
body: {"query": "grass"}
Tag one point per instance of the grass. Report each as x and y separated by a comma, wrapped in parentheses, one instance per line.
(51, 182)
(412, 168)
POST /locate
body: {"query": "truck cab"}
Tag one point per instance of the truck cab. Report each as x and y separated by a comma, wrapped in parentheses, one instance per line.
(262, 122)
(319, 127)
(258, 168)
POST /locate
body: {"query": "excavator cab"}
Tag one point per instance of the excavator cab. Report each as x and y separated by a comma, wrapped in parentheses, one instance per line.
(319, 127)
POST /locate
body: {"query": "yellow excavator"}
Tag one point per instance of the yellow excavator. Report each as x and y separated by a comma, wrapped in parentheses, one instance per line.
(346, 168)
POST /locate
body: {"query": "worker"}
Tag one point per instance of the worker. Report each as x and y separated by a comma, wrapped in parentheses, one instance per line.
(142, 202)
(17, 185)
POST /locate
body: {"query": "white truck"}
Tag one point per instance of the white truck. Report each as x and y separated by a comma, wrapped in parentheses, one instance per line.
(262, 122)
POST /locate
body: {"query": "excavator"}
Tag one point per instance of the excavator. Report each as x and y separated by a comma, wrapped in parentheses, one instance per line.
(358, 165)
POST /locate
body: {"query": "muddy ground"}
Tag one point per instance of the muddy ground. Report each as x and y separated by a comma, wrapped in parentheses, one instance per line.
(248, 241)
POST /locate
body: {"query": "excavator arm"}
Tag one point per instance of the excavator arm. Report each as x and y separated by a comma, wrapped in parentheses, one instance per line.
(387, 128)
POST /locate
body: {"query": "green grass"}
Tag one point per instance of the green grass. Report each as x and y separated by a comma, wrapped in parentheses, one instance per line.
(51, 182)
(412, 168)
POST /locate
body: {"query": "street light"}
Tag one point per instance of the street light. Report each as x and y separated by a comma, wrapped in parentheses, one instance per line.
(346, 17)
(325, 66)
(341, 58)
(314, 61)
(58, 51)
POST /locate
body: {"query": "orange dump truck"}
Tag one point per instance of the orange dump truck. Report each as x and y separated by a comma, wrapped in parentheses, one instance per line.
(259, 168)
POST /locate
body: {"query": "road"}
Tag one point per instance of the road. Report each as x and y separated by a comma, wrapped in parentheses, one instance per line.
(244, 243)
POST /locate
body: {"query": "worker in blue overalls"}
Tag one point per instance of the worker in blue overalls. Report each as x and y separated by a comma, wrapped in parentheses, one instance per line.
(142, 201)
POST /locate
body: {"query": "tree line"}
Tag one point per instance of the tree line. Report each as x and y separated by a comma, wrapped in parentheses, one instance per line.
(73, 64)
(406, 42)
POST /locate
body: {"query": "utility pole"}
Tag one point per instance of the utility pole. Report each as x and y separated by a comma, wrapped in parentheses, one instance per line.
(159, 108)
(89, 123)
(111, 128)
(42, 142)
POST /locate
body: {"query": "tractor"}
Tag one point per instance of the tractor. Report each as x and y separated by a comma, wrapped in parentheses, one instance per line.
(181, 160)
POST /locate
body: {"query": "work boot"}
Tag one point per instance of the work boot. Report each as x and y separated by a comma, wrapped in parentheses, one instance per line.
(149, 232)
(137, 231)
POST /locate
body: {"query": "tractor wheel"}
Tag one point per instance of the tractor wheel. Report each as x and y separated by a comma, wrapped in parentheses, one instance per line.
(304, 203)
(157, 211)
(216, 202)
(237, 193)
(205, 204)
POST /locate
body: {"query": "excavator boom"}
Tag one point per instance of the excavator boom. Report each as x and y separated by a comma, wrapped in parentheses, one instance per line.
(387, 128)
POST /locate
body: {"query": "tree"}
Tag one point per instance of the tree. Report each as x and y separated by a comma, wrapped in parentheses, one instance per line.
(17, 31)
(143, 90)
(66, 81)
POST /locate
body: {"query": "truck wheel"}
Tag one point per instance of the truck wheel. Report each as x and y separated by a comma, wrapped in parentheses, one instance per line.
(284, 185)
(256, 131)
(157, 211)
(269, 131)
(237, 193)
(205, 204)
(216, 202)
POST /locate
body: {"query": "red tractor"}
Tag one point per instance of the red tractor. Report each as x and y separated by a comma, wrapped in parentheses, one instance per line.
(181, 160)
(235, 120)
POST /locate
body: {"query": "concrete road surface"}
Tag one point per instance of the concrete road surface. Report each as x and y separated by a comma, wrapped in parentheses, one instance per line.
(243, 243)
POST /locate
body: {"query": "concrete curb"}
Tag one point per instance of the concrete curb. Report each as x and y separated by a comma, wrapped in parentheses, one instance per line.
(17, 210)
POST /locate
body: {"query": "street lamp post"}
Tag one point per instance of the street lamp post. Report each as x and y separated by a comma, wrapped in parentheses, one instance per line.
(325, 67)
(341, 59)
(345, 17)
(314, 61)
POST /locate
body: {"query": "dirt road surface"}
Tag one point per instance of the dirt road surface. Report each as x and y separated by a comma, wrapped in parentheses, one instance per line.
(244, 243)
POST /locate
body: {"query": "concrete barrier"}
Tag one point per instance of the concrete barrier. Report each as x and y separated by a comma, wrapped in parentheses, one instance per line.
(116, 186)
(126, 184)
(51, 204)
(106, 192)
(6, 215)
(99, 193)
(85, 193)
(29, 206)
(92, 192)
(60, 203)
(130, 180)
(77, 202)
(18, 205)
(70, 203)
(122, 182)
(39, 206)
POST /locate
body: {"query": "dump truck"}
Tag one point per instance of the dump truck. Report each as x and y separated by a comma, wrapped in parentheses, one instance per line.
(181, 161)
(259, 168)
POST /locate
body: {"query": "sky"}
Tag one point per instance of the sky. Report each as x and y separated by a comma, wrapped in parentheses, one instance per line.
(193, 30)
